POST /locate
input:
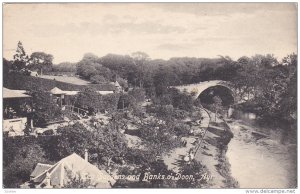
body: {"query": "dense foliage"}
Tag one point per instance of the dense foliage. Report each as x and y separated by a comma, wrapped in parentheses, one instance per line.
(20, 157)
(267, 87)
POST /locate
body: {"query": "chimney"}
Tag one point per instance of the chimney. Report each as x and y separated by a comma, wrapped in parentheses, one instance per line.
(86, 155)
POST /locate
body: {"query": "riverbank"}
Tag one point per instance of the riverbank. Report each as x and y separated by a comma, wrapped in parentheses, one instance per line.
(261, 162)
(211, 152)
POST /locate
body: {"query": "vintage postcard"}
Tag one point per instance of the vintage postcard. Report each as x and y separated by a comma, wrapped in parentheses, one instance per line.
(150, 95)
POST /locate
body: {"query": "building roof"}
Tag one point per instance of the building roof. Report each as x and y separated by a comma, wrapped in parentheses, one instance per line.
(8, 93)
(56, 90)
(117, 84)
(71, 93)
(105, 92)
(74, 166)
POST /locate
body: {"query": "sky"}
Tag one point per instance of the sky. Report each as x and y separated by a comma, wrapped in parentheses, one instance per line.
(162, 30)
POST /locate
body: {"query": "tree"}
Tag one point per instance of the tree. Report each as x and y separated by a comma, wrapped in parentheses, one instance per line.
(288, 102)
(172, 96)
(161, 81)
(138, 94)
(158, 136)
(7, 66)
(120, 64)
(64, 67)
(74, 138)
(110, 101)
(89, 99)
(45, 108)
(21, 59)
(123, 82)
(109, 142)
(91, 66)
(19, 170)
(139, 59)
(106, 141)
(126, 101)
(86, 69)
(97, 79)
(250, 79)
(278, 96)
(41, 61)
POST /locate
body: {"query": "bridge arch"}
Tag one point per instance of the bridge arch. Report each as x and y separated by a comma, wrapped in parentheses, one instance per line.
(205, 91)
(225, 93)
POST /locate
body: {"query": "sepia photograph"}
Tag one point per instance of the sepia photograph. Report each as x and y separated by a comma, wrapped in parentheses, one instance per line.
(149, 95)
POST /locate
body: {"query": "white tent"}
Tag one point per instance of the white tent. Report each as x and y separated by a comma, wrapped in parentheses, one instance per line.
(70, 167)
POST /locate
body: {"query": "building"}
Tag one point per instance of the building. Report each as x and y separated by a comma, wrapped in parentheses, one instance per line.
(16, 111)
(69, 168)
(60, 95)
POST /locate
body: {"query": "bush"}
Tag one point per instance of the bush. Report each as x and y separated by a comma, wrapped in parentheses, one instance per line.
(138, 94)
(197, 170)
(182, 129)
(140, 157)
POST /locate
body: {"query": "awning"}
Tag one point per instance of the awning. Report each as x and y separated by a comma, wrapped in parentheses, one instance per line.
(8, 93)
(71, 93)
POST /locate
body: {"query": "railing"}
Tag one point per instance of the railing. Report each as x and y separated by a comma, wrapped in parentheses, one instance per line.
(73, 108)
(202, 138)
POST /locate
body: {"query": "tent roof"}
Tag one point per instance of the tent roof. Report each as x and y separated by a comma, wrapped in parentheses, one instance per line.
(8, 93)
(56, 90)
(75, 166)
(39, 169)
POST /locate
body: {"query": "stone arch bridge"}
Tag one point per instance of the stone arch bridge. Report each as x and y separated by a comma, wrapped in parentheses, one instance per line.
(205, 91)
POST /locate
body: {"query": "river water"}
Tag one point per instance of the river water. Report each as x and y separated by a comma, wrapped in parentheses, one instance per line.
(260, 163)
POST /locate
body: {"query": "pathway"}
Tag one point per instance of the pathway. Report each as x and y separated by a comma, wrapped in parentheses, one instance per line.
(175, 157)
(208, 153)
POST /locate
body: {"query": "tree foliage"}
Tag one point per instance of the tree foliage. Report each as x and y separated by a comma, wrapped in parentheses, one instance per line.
(19, 169)
(158, 136)
(20, 59)
(74, 138)
(41, 61)
(45, 108)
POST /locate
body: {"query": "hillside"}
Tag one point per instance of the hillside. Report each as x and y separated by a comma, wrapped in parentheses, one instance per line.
(22, 82)
(66, 79)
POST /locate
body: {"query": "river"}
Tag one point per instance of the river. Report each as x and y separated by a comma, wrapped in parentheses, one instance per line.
(260, 163)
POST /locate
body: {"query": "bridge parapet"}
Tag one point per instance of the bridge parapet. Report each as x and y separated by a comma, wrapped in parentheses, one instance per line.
(198, 88)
